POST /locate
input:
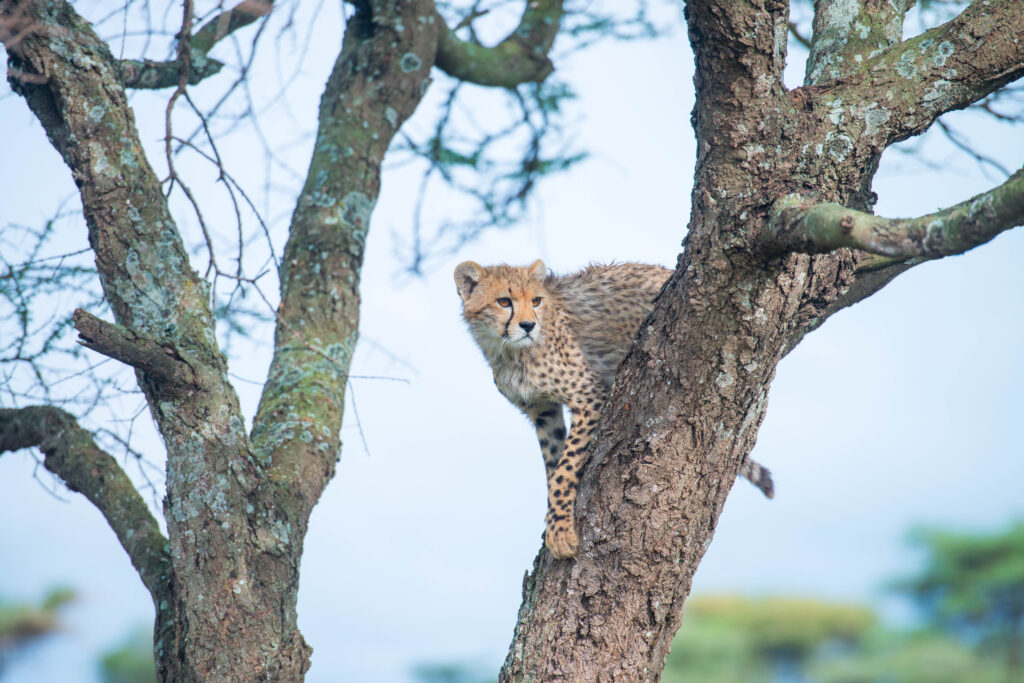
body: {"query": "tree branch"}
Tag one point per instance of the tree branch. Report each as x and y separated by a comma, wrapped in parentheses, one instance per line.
(520, 58)
(794, 31)
(946, 68)
(160, 361)
(83, 109)
(71, 453)
(295, 432)
(147, 74)
(812, 228)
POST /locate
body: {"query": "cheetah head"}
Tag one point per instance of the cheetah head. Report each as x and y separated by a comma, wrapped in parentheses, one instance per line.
(503, 305)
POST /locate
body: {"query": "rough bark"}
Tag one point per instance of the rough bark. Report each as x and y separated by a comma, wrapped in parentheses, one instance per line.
(689, 398)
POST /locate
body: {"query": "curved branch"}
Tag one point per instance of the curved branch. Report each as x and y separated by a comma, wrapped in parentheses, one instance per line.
(521, 57)
(71, 453)
(149, 75)
(812, 228)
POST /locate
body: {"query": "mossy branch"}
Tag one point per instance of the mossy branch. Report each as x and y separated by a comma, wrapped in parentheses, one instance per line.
(522, 57)
(811, 228)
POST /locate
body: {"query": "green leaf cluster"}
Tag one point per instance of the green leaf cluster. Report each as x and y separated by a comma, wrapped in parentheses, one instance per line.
(735, 639)
(925, 657)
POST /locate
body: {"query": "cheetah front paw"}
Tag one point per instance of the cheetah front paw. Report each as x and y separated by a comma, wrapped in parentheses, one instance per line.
(561, 539)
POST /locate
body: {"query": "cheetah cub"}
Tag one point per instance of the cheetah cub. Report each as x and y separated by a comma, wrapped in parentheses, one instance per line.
(554, 341)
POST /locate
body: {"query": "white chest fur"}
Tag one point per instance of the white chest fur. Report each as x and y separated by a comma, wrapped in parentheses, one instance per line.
(514, 380)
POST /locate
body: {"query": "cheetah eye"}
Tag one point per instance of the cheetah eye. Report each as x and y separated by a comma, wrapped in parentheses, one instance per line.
(504, 302)
(536, 301)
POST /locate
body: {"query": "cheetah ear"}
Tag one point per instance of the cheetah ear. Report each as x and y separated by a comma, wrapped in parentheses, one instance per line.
(467, 276)
(537, 270)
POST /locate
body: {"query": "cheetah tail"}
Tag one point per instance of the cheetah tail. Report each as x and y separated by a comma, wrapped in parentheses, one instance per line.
(758, 476)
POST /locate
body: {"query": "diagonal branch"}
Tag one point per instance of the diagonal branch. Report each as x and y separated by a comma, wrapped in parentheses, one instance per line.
(71, 453)
(295, 430)
(521, 57)
(83, 109)
(812, 228)
(148, 74)
(946, 68)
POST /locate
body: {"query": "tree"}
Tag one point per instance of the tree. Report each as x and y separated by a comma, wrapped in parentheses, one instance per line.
(731, 638)
(973, 584)
(238, 502)
(780, 238)
(926, 657)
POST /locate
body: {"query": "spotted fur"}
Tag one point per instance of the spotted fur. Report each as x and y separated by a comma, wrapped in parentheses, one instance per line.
(554, 341)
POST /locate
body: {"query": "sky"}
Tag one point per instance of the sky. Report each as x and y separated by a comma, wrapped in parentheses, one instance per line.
(902, 410)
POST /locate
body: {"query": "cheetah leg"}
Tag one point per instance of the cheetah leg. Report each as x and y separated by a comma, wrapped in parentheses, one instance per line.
(547, 418)
(560, 523)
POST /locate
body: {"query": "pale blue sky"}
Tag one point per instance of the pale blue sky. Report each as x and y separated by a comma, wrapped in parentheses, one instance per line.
(902, 410)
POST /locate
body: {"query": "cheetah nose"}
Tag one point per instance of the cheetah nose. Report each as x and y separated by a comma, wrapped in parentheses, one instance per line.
(527, 326)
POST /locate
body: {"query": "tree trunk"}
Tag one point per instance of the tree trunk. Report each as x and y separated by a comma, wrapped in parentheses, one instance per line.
(237, 507)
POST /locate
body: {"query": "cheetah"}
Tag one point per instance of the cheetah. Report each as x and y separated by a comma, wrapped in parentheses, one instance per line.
(558, 340)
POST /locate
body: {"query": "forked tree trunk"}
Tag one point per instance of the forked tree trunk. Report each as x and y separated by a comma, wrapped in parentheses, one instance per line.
(224, 582)
(689, 398)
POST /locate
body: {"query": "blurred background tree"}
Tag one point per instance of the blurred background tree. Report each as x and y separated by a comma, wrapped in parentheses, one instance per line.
(734, 638)
(972, 586)
(131, 661)
(23, 624)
